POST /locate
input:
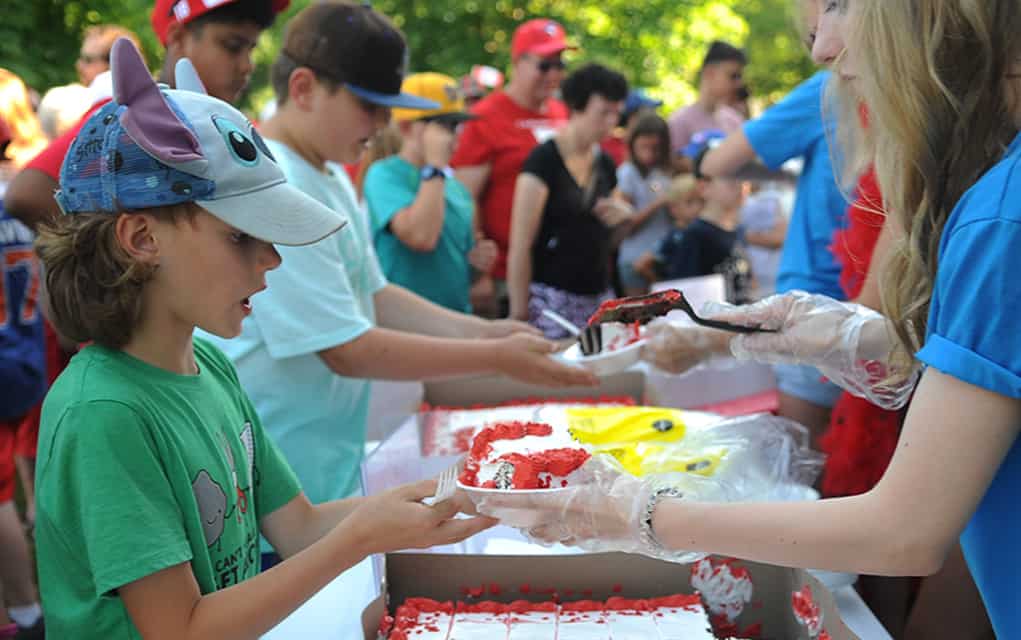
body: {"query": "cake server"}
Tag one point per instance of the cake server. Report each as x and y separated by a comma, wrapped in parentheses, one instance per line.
(642, 309)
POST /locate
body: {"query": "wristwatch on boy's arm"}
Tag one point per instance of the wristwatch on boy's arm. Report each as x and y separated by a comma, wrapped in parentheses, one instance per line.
(428, 172)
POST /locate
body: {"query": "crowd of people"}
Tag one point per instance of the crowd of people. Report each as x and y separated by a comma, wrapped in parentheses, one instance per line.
(194, 306)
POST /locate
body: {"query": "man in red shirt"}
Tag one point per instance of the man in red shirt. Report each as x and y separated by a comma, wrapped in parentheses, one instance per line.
(510, 123)
(219, 41)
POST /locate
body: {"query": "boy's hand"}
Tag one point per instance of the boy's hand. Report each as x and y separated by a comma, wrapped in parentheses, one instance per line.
(508, 327)
(437, 144)
(525, 357)
(645, 266)
(397, 520)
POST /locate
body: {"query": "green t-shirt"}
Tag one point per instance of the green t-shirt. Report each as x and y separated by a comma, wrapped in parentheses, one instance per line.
(442, 275)
(140, 469)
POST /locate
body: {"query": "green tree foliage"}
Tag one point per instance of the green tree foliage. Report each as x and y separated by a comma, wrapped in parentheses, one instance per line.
(658, 44)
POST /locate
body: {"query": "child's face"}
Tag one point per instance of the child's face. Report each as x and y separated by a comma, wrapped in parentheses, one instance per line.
(208, 272)
(343, 123)
(725, 193)
(686, 209)
(646, 150)
(222, 55)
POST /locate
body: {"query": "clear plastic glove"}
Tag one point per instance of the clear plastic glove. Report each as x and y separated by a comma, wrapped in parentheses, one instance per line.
(850, 344)
(603, 512)
(677, 348)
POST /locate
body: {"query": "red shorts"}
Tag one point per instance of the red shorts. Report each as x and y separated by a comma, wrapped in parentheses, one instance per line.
(8, 447)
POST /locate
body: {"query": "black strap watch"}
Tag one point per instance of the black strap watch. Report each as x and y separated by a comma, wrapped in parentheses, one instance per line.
(428, 172)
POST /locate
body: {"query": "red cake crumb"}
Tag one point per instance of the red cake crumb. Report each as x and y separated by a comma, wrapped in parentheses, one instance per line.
(617, 588)
(473, 592)
(494, 589)
(806, 610)
(525, 588)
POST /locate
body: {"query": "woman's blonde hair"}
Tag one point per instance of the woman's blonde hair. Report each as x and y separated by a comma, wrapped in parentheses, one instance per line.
(936, 76)
(94, 286)
(27, 136)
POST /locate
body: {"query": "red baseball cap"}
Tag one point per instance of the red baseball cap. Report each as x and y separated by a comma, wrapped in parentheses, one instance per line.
(166, 12)
(541, 37)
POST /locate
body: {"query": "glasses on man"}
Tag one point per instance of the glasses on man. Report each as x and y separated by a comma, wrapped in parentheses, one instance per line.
(548, 64)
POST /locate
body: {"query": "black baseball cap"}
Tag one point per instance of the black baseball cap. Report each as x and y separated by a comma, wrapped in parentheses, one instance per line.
(356, 46)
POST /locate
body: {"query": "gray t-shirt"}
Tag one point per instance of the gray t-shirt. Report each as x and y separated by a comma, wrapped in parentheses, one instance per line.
(641, 192)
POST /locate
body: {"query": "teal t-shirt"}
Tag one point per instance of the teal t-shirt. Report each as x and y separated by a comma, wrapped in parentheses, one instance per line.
(140, 469)
(442, 275)
(321, 296)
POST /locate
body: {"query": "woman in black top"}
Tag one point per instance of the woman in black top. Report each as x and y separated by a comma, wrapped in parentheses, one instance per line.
(565, 209)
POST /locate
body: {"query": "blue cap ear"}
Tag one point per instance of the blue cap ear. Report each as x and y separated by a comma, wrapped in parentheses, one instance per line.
(147, 117)
(186, 78)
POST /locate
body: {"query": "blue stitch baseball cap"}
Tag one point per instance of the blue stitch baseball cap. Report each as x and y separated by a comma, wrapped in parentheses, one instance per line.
(152, 146)
(707, 138)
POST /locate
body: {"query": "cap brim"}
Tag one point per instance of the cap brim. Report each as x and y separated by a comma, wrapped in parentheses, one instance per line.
(280, 214)
(550, 48)
(457, 117)
(400, 100)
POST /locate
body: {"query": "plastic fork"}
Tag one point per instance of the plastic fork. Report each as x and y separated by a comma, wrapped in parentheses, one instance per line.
(590, 338)
(446, 484)
(642, 309)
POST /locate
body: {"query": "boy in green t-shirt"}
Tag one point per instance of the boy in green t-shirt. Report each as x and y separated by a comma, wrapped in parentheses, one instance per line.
(155, 477)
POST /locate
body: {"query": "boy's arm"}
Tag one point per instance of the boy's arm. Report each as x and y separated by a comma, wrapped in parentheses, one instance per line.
(400, 309)
(168, 605)
(299, 524)
(396, 355)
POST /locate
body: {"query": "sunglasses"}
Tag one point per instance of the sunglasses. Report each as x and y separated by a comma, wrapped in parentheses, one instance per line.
(546, 65)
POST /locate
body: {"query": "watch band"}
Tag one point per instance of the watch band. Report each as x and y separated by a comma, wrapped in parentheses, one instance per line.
(648, 536)
(428, 172)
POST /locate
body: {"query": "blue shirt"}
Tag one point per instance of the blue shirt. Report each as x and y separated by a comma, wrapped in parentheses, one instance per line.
(793, 128)
(974, 334)
(321, 296)
(442, 275)
(22, 356)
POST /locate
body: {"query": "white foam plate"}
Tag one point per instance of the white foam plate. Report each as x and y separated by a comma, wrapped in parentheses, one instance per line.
(607, 362)
(521, 508)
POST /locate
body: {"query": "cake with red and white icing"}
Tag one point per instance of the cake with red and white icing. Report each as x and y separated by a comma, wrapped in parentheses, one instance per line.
(522, 455)
(677, 617)
(450, 430)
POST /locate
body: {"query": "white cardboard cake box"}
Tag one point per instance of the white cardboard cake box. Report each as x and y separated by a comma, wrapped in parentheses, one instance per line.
(595, 576)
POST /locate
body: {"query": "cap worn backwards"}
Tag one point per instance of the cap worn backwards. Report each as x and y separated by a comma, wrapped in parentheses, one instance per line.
(153, 146)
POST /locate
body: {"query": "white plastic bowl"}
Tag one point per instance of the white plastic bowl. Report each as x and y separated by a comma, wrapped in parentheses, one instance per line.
(604, 363)
(521, 508)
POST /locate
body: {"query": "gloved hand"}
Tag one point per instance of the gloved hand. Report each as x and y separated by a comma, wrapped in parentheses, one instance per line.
(850, 344)
(603, 512)
(677, 348)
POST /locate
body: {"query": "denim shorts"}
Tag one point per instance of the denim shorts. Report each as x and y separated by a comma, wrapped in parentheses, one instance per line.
(806, 383)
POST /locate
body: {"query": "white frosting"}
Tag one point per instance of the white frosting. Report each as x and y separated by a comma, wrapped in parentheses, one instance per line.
(439, 620)
(583, 625)
(665, 623)
(722, 591)
(687, 623)
(478, 626)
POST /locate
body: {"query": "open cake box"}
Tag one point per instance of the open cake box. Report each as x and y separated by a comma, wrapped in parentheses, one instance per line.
(776, 593)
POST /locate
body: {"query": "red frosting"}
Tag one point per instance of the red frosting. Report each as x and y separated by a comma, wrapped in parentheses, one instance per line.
(806, 610)
(616, 603)
(678, 601)
(486, 606)
(408, 614)
(669, 295)
(527, 467)
(583, 605)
